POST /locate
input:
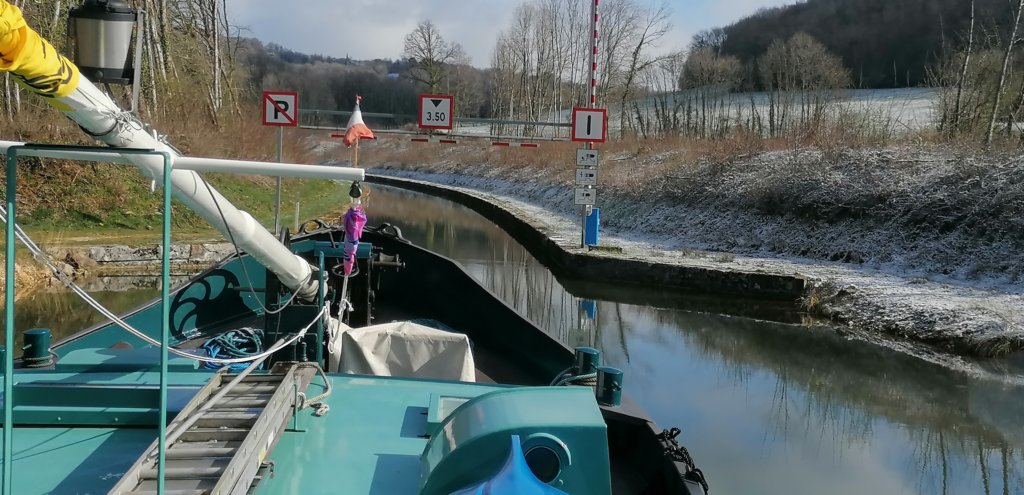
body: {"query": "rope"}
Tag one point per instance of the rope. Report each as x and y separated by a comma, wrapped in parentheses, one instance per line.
(320, 408)
(575, 378)
(243, 342)
(41, 257)
(564, 378)
(561, 375)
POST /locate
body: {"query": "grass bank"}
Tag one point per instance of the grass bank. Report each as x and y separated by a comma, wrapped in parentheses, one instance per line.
(926, 210)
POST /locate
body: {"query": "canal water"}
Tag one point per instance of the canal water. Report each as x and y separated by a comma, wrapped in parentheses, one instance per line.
(767, 404)
(765, 407)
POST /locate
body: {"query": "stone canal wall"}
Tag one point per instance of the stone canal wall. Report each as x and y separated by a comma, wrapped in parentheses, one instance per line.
(565, 257)
(117, 260)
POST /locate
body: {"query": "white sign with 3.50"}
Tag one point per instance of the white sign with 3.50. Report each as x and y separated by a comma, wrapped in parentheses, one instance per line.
(436, 111)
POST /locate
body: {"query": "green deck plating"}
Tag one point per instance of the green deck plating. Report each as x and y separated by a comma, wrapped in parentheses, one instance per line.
(372, 441)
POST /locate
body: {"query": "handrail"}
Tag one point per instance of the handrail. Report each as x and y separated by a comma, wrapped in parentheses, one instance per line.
(97, 154)
(197, 164)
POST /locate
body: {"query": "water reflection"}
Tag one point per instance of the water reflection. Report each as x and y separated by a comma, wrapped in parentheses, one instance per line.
(767, 408)
(64, 313)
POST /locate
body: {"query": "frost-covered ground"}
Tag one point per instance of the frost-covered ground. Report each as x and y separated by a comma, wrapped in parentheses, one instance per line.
(918, 246)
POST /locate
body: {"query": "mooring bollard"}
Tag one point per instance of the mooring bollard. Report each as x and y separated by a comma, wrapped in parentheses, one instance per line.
(609, 386)
(36, 351)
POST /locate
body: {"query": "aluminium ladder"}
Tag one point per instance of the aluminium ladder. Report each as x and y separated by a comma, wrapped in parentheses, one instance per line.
(223, 451)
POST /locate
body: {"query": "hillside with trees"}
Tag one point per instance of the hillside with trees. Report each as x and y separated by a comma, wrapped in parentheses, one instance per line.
(883, 43)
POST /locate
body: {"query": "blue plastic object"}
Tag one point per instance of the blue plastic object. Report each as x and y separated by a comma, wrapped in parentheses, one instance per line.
(593, 224)
(589, 307)
(514, 478)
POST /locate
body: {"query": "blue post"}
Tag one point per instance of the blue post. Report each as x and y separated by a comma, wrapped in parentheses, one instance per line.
(8, 483)
(165, 327)
(590, 237)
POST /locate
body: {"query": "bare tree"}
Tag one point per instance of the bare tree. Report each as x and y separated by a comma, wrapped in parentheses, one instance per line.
(963, 73)
(654, 26)
(466, 84)
(800, 68)
(618, 22)
(662, 78)
(713, 39)
(205, 22)
(774, 68)
(432, 53)
(708, 79)
(1002, 75)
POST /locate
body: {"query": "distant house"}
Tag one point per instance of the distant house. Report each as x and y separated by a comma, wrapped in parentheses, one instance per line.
(393, 76)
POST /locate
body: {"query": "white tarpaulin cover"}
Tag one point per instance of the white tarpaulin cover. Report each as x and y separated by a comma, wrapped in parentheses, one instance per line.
(403, 349)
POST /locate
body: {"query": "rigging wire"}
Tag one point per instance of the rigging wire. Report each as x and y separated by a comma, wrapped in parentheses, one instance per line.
(245, 271)
(40, 256)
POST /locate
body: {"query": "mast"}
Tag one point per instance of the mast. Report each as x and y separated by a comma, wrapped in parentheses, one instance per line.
(40, 68)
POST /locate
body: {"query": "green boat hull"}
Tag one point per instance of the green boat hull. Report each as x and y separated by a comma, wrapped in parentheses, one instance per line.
(94, 412)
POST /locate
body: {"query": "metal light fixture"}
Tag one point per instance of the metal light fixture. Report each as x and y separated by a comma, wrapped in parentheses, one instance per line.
(100, 36)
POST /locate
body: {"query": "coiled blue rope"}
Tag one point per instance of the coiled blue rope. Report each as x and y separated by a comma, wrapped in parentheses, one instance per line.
(239, 343)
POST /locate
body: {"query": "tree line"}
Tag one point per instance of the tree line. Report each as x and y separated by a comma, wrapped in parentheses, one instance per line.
(883, 43)
(539, 67)
(981, 82)
(798, 59)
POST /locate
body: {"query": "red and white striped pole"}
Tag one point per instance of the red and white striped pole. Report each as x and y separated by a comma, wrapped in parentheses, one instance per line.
(593, 56)
(593, 103)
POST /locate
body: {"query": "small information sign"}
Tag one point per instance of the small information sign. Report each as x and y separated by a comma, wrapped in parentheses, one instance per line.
(586, 196)
(586, 176)
(586, 158)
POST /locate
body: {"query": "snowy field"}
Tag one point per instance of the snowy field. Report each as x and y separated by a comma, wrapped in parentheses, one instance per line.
(895, 110)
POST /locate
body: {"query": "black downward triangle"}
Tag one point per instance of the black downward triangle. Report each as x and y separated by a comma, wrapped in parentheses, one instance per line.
(437, 101)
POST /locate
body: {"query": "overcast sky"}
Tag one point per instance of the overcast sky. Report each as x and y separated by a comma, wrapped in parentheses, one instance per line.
(369, 29)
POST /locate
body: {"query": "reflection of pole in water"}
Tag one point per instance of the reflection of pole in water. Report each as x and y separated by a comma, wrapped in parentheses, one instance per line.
(429, 242)
(945, 463)
(587, 313)
(1006, 469)
(984, 469)
(622, 331)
